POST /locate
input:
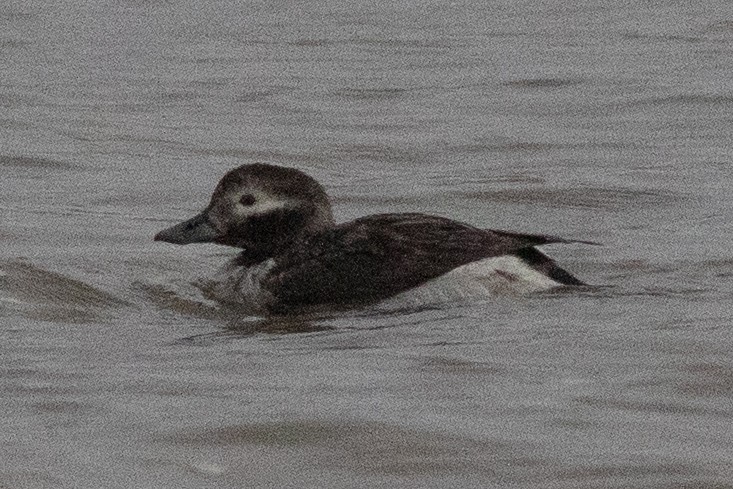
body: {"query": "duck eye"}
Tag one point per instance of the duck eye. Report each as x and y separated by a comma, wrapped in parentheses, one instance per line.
(247, 200)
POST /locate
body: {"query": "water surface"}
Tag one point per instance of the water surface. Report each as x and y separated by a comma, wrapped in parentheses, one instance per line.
(593, 121)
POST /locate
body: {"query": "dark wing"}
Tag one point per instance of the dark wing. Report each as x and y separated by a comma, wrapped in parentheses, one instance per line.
(546, 266)
(540, 239)
(378, 256)
(541, 262)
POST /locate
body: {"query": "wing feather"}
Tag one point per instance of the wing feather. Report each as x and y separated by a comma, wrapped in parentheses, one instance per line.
(376, 257)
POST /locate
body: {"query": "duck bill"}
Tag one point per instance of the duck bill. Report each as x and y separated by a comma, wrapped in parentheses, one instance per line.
(198, 229)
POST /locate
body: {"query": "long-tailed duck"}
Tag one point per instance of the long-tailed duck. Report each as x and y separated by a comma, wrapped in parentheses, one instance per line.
(295, 258)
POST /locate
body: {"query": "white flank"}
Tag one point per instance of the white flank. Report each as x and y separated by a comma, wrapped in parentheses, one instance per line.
(502, 275)
(241, 286)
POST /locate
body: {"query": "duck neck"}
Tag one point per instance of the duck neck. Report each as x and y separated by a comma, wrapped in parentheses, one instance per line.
(275, 233)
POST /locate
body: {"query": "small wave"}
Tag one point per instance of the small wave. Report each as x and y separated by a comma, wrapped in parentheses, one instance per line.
(10, 123)
(377, 153)
(697, 99)
(371, 447)
(255, 95)
(455, 366)
(274, 156)
(664, 38)
(42, 294)
(165, 297)
(371, 93)
(312, 43)
(13, 44)
(634, 473)
(584, 197)
(34, 162)
(614, 292)
(382, 200)
(179, 96)
(706, 380)
(494, 146)
(14, 15)
(725, 26)
(403, 43)
(543, 82)
(239, 327)
(658, 407)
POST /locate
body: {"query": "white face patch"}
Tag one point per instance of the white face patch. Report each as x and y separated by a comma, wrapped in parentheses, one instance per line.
(263, 204)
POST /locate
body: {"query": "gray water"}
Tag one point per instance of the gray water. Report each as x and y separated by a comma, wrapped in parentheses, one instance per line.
(603, 121)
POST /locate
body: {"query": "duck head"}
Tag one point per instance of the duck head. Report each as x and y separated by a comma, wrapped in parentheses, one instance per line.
(260, 208)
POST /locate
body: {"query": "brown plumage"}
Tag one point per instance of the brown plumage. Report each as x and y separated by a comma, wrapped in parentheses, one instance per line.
(283, 215)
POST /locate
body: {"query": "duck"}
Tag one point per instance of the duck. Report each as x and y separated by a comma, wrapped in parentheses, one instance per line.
(294, 258)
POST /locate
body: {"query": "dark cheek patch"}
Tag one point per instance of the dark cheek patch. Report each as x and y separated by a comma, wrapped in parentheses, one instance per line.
(274, 225)
(265, 235)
